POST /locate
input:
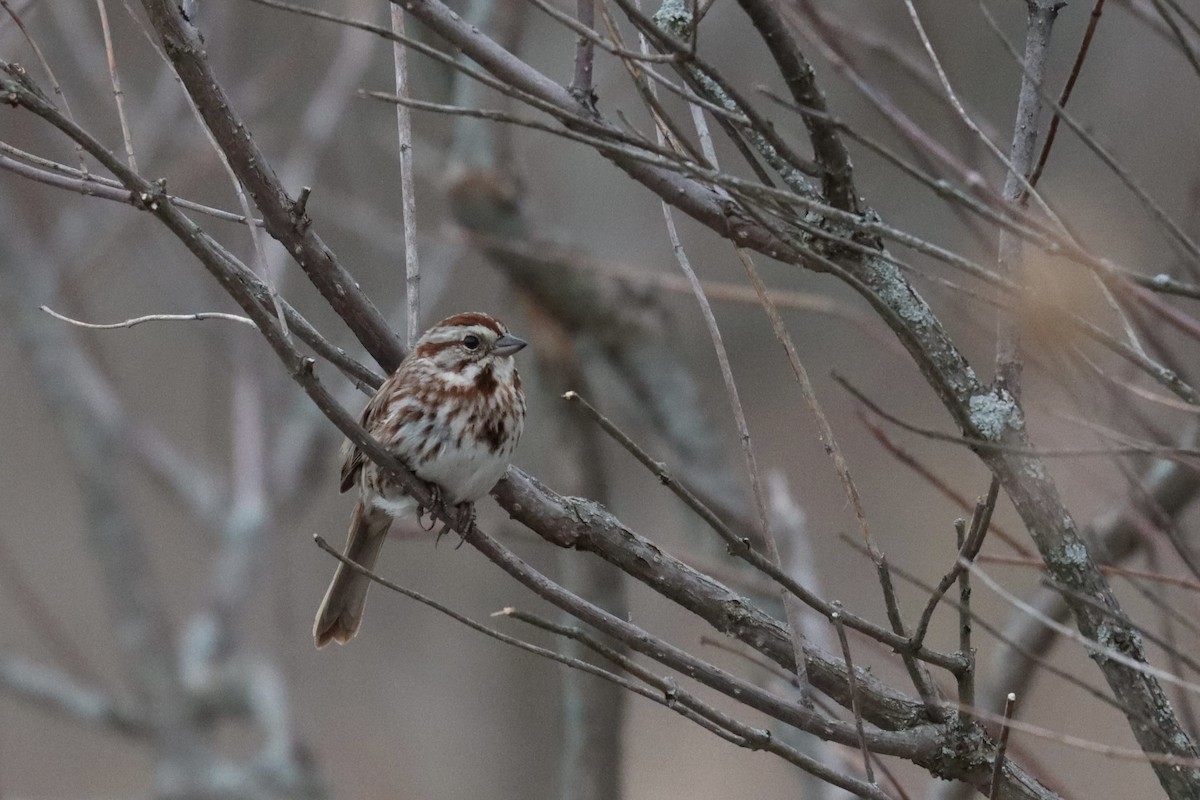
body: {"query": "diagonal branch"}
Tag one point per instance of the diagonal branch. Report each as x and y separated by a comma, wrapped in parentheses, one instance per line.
(837, 184)
(185, 48)
(48, 688)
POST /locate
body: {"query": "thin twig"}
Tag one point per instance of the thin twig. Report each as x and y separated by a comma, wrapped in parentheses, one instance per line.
(1175, 655)
(858, 721)
(967, 550)
(1011, 250)
(239, 191)
(810, 397)
(129, 323)
(966, 679)
(920, 679)
(630, 144)
(118, 95)
(408, 194)
(669, 694)
(581, 84)
(1187, 48)
(750, 657)
(1001, 747)
(643, 277)
(843, 471)
(90, 184)
(1076, 68)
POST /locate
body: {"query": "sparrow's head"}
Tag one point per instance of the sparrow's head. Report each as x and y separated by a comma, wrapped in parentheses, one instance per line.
(473, 346)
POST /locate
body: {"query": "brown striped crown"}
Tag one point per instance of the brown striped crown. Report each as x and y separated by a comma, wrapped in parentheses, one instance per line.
(468, 319)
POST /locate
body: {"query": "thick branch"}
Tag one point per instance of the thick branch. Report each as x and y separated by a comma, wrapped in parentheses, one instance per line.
(583, 525)
(837, 183)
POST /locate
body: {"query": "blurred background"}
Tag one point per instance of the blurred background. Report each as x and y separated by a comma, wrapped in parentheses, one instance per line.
(174, 467)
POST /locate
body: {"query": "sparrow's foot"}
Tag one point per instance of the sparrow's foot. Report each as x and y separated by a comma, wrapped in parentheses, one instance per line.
(464, 516)
(436, 508)
(461, 517)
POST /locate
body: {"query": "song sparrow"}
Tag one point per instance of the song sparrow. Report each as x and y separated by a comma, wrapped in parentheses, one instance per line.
(452, 413)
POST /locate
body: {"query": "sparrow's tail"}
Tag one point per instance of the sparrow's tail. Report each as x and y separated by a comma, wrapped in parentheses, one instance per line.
(342, 609)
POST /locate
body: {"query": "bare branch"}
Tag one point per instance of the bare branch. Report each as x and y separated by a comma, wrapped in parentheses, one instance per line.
(858, 721)
(998, 768)
(408, 192)
(64, 177)
(129, 323)
(118, 95)
(54, 691)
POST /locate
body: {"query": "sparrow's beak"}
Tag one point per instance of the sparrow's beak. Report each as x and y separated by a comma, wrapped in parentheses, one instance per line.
(507, 344)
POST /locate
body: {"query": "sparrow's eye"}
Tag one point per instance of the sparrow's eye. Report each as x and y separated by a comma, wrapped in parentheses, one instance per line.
(471, 342)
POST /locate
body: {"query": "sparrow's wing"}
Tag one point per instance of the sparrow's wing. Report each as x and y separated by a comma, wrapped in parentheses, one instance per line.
(353, 458)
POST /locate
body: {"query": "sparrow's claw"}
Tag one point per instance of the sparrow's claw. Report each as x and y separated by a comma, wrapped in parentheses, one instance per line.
(464, 516)
(459, 517)
(437, 508)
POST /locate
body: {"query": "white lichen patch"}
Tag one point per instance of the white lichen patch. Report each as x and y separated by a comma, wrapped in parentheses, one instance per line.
(673, 16)
(1075, 553)
(890, 287)
(994, 411)
(896, 293)
(1104, 638)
